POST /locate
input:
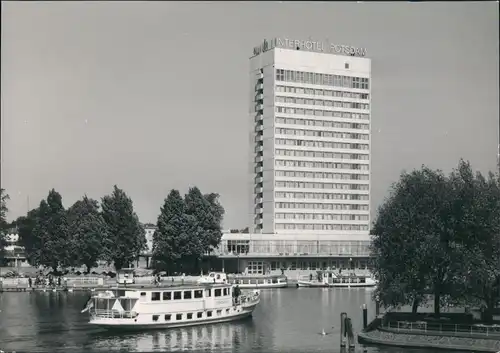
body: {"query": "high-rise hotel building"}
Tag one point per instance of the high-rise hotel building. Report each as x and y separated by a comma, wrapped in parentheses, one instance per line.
(310, 138)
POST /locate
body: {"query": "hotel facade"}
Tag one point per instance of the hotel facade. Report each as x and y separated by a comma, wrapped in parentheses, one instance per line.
(309, 160)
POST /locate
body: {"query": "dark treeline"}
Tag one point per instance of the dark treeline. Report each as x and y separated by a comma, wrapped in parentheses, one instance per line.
(439, 234)
(110, 231)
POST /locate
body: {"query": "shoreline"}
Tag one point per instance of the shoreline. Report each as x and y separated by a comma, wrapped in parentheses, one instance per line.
(106, 284)
(385, 338)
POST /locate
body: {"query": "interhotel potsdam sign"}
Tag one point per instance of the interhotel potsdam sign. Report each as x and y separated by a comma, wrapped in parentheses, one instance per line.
(308, 45)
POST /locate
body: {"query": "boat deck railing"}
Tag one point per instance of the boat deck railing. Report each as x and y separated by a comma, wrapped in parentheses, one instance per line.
(443, 328)
(112, 314)
(248, 299)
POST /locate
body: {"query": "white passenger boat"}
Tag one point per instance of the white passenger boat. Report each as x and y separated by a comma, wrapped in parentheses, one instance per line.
(327, 279)
(168, 307)
(258, 281)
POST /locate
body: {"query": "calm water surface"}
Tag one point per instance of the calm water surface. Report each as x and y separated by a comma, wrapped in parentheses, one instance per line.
(286, 320)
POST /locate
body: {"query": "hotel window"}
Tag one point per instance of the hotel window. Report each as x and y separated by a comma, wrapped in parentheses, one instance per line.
(280, 75)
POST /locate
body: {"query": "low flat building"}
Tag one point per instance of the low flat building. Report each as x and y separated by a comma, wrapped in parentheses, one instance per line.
(292, 254)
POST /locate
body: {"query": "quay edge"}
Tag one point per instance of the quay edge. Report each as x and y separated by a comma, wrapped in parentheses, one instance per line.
(375, 334)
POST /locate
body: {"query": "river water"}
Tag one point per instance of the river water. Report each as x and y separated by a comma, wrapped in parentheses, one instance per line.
(286, 320)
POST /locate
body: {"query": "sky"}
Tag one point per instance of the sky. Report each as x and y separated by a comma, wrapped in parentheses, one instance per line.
(152, 96)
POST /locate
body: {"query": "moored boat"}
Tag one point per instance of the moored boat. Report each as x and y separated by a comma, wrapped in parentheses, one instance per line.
(169, 307)
(327, 279)
(258, 281)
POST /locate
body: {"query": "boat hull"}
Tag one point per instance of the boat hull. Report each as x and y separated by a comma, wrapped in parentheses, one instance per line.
(263, 286)
(306, 284)
(352, 285)
(128, 324)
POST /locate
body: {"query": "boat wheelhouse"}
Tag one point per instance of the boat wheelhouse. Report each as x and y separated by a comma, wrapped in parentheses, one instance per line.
(125, 276)
(258, 281)
(168, 307)
(324, 279)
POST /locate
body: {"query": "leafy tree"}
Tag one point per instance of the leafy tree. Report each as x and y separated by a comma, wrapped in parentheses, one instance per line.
(126, 234)
(89, 234)
(4, 197)
(477, 214)
(245, 230)
(208, 213)
(31, 243)
(412, 238)
(171, 225)
(397, 247)
(45, 231)
(187, 229)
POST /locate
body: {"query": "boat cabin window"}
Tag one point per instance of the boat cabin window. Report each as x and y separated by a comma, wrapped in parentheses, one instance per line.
(155, 296)
(227, 311)
(218, 292)
(198, 293)
(190, 316)
(167, 295)
(209, 314)
(199, 315)
(208, 293)
(362, 280)
(188, 294)
(168, 317)
(143, 294)
(156, 317)
(177, 295)
(178, 317)
(219, 312)
(226, 291)
(275, 280)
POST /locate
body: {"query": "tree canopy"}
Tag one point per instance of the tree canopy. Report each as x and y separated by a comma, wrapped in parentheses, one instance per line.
(44, 233)
(90, 238)
(434, 233)
(125, 232)
(188, 228)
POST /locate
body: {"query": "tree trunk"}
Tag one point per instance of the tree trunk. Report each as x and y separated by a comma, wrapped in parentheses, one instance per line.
(488, 310)
(437, 307)
(89, 267)
(414, 307)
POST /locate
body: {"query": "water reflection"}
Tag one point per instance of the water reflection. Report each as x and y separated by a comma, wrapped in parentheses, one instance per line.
(220, 337)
